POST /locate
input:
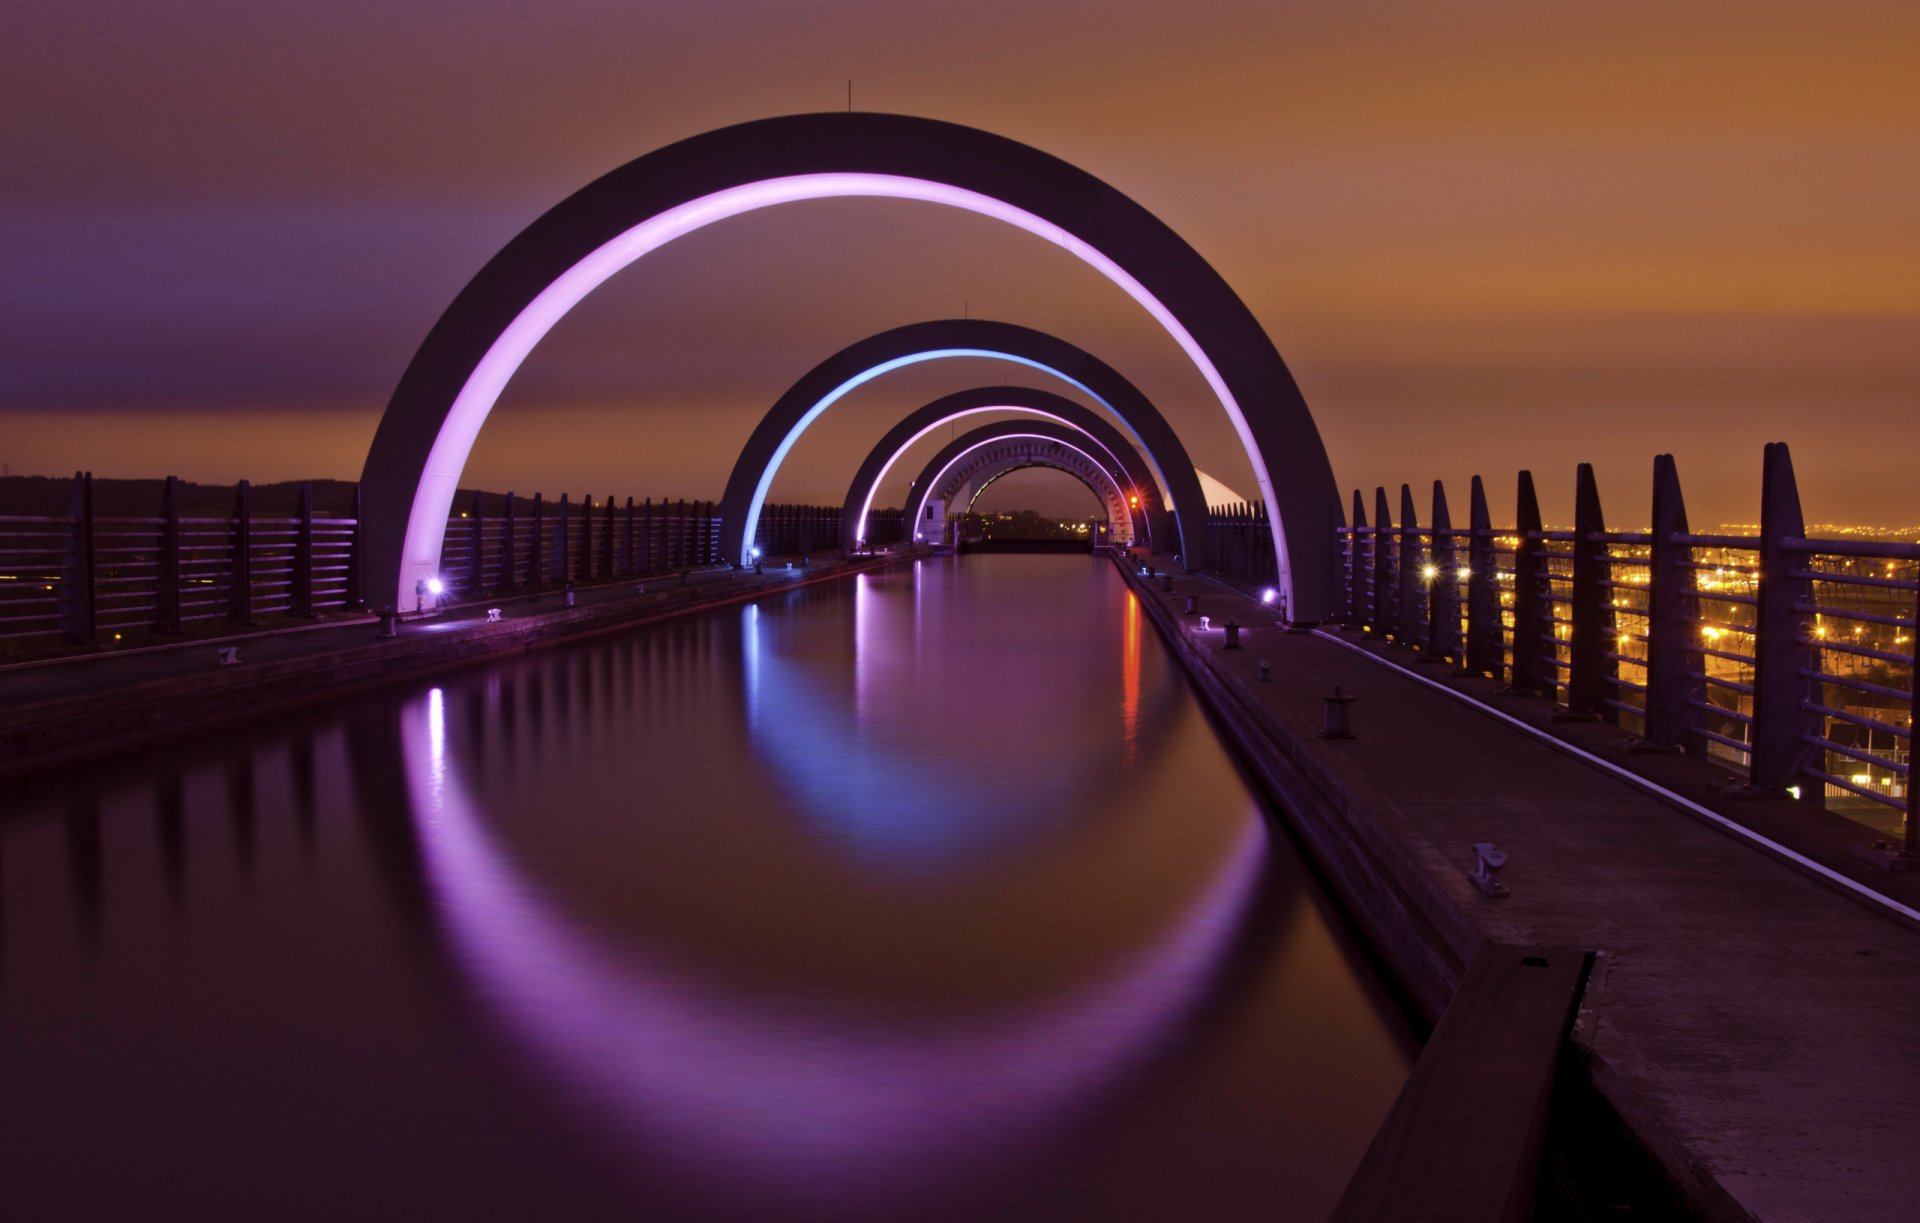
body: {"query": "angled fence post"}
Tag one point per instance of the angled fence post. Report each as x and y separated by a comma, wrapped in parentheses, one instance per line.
(1675, 665)
(1784, 650)
(1443, 589)
(302, 601)
(77, 588)
(1593, 670)
(1409, 622)
(166, 591)
(1385, 622)
(477, 546)
(1484, 629)
(240, 569)
(1359, 601)
(1532, 611)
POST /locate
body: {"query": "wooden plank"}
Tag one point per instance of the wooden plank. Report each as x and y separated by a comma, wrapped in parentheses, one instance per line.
(1463, 1141)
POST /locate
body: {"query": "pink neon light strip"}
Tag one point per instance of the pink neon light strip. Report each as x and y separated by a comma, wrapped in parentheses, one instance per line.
(426, 522)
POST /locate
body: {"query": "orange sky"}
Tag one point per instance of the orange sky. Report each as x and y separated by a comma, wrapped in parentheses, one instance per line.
(1483, 236)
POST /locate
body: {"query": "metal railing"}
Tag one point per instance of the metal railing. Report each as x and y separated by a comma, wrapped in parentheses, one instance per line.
(1787, 658)
(81, 579)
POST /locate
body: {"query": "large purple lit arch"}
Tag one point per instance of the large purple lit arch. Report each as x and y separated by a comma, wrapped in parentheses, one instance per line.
(963, 462)
(1137, 475)
(864, 360)
(430, 424)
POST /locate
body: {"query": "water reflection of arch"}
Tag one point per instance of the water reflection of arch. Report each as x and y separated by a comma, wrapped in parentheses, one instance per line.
(1177, 480)
(831, 734)
(961, 470)
(728, 1082)
(1154, 522)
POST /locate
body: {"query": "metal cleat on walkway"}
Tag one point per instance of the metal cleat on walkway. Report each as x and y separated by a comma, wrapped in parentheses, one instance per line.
(229, 656)
(1485, 874)
(493, 615)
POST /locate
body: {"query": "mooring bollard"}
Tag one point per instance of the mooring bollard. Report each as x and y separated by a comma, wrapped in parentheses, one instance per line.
(1266, 670)
(229, 656)
(1485, 874)
(1193, 605)
(1339, 722)
(493, 615)
(757, 568)
(1233, 635)
(389, 622)
(805, 560)
(1166, 582)
(569, 596)
(1206, 622)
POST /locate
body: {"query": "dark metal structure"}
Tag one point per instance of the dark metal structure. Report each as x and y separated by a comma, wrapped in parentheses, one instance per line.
(916, 342)
(1152, 521)
(443, 399)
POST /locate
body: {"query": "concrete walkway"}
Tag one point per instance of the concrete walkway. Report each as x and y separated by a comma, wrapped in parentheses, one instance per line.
(1758, 1029)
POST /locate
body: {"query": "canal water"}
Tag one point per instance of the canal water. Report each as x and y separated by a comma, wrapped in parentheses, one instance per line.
(924, 895)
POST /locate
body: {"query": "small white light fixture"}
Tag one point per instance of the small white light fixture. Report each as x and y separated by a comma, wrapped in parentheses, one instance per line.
(435, 586)
(1269, 595)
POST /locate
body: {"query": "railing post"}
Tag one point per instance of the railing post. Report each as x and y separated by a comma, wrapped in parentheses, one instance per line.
(509, 563)
(1592, 676)
(646, 536)
(1532, 629)
(166, 591)
(1484, 628)
(606, 540)
(77, 589)
(1674, 659)
(560, 553)
(302, 601)
(355, 594)
(1910, 838)
(477, 546)
(536, 546)
(583, 564)
(1408, 621)
(240, 570)
(1385, 622)
(631, 555)
(1782, 639)
(1359, 606)
(1443, 589)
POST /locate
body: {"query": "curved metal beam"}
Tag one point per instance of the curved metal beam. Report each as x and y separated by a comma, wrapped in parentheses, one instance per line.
(1152, 521)
(915, 343)
(1045, 436)
(467, 359)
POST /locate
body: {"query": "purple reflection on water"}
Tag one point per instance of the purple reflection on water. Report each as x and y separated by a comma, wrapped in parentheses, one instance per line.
(799, 1100)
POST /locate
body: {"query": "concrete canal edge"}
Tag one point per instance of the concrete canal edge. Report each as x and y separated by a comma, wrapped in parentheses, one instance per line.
(1387, 877)
(99, 717)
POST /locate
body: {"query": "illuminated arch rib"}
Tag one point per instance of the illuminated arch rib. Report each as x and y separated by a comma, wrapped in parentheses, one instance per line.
(867, 359)
(965, 465)
(1149, 512)
(476, 346)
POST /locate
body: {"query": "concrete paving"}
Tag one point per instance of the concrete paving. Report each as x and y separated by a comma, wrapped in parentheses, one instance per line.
(1757, 1028)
